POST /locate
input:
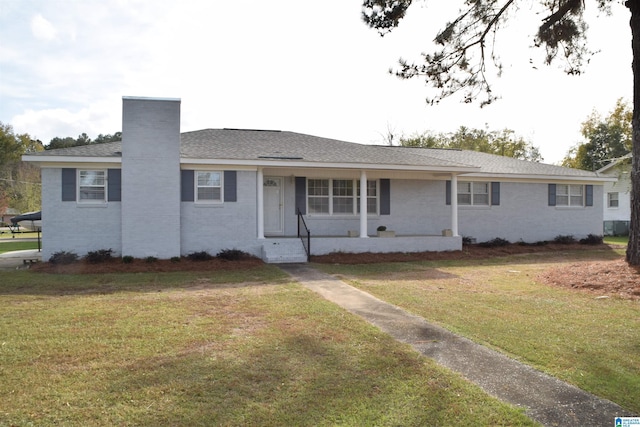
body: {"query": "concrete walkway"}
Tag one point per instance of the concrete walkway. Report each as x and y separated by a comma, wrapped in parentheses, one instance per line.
(16, 259)
(547, 400)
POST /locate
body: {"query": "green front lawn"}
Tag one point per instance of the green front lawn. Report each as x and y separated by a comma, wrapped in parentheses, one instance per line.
(11, 246)
(502, 303)
(212, 348)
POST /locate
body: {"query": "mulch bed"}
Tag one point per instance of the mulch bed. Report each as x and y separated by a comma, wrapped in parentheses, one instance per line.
(143, 266)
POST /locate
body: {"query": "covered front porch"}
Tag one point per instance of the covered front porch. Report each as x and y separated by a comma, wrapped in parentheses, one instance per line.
(294, 249)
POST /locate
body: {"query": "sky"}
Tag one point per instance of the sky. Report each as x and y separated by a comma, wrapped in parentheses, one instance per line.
(303, 66)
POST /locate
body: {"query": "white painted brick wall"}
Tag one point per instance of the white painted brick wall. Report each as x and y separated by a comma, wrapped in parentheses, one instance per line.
(151, 177)
(231, 225)
(69, 226)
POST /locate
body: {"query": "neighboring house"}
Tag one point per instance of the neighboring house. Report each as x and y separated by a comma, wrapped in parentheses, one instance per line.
(162, 193)
(617, 197)
(7, 214)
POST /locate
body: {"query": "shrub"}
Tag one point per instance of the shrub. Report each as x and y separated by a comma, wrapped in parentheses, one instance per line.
(494, 243)
(232, 255)
(150, 259)
(175, 259)
(564, 239)
(591, 239)
(102, 255)
(200, 256)
(127, 259)
(381, 228)
(63, 258)
(468, 240)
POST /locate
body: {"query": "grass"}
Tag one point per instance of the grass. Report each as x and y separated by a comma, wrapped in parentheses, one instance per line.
(16, 246)
(217, 348)
(21, 235)
(592, 343)
(616, 240)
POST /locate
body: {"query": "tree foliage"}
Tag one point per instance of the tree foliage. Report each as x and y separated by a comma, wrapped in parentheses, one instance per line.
(19, 181)
(82, 139)
(606, 138)
(466, 43)
(503, 143)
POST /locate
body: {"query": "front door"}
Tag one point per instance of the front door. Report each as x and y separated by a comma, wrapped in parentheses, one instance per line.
(273, 201)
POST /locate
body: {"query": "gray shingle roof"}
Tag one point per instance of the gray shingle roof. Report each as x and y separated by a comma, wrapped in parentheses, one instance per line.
(270, 146)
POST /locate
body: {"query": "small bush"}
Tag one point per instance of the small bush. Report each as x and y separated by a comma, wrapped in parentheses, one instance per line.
(63, 258)
(468, 240)
(591, 239)
(381, 228)
(538, 243)
(564, 239)
(494, 243)
(95, 257)
(200, 256)
(175, 259)
(127, 259)
(232, 255)
(150, 259)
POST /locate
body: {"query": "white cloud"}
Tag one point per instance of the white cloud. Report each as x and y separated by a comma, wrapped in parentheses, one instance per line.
(43, 29)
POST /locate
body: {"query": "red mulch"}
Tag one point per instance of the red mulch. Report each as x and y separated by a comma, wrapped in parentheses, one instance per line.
(143, 266)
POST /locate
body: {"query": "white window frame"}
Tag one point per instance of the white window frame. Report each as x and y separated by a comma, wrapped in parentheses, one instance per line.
(472, 191)
(611, 199)
(331, 196)
(80, 186)
(570, 197)
(197, 186)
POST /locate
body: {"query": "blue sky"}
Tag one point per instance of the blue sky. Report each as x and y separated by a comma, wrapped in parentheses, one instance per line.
(309, 67)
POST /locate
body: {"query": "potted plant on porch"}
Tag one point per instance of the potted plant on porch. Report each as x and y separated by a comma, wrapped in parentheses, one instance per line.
(383, 232)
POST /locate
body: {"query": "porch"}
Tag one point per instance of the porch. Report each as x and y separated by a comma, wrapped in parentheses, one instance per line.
(292, 249)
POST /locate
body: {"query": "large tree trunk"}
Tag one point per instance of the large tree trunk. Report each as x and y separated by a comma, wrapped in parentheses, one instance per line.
(633, 250)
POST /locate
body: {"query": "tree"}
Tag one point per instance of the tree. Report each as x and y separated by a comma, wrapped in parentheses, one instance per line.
(465, 44)
(19, 181)
(83, 139)
(502, 143)
(607, 138)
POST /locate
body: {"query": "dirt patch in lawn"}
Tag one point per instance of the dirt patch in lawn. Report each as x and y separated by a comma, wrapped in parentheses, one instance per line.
(604, 278)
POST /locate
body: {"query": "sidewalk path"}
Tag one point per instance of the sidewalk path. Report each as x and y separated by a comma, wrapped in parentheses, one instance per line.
(15, 259)
(547, 400)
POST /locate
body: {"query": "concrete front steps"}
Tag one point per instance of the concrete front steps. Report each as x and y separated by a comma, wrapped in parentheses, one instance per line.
(279, 251)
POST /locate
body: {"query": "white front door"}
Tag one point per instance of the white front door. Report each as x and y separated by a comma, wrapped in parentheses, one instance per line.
(273, 201)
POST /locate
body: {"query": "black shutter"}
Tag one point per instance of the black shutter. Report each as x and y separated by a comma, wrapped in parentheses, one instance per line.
(589, 195)
(385, 197)
(447, 191)
(68, 185)
(495, 194)
(186, 184)
(230, 186)
(301, 195)
(552, 194)
(114, 185)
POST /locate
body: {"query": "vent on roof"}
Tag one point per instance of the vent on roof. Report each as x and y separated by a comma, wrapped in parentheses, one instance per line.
(281, 157)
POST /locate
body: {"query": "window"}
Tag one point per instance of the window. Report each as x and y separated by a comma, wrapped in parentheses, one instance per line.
(612, 200)
(340, 196)
(569, 195)
(209, 187)
(318, 191)
(372, 197)
(473, 193)
(92, 186)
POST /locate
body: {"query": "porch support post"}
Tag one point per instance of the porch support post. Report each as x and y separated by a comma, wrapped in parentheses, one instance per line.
(260, 202)
(454, 204)
(363, 204)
